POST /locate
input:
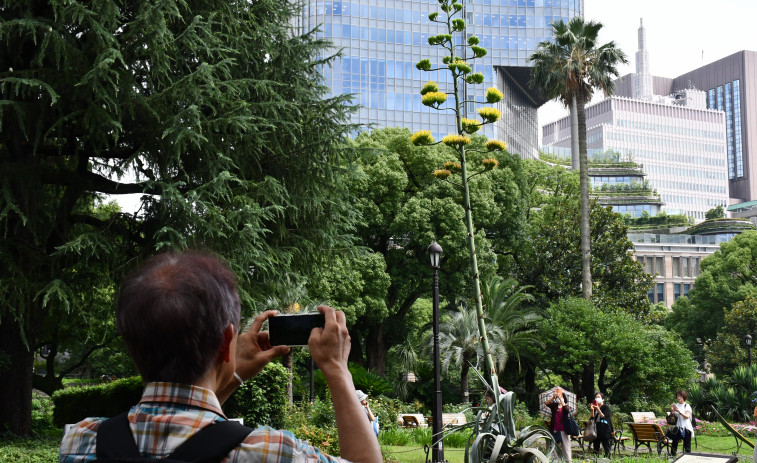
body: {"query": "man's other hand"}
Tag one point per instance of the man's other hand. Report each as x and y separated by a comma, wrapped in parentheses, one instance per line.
(254, 350)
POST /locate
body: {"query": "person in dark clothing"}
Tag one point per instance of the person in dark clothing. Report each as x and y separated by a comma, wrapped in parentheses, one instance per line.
(558, 405)
(600, 412)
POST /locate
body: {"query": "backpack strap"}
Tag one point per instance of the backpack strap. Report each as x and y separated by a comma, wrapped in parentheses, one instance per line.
(112, 441)
(212, 443)
(209, 445)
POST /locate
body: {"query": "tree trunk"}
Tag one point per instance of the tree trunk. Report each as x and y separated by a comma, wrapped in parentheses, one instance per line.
(374, 350)
(586, 287)
(601, 380)
(288, 364)
(587, 381)
(464, 381)
(16, 385)
(575, 164)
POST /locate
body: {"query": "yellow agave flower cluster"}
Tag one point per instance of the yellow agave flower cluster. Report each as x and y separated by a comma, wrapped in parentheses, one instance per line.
(455, 140)
(452, 166)
(496, 145)
(470, 125)
(490, 163)
(489, 114)
(442, 174)
(422, 137)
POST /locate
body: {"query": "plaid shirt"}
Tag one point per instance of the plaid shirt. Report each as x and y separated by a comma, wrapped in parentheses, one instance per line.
(170, 413)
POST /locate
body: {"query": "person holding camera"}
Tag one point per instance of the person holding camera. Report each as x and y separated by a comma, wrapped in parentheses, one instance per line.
(600, 412)
(558, 405)
(363, 398)
(682, 411)
(179, 316)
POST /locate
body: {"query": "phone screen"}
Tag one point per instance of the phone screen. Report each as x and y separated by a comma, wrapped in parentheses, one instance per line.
(293, 329)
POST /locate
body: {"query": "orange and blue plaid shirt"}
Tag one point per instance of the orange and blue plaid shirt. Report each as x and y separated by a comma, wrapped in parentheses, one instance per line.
(171, 413)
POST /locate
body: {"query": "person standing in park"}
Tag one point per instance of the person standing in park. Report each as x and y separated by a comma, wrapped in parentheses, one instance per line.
(558, 405)
(179, 316)
(682, 411)
(600, 412)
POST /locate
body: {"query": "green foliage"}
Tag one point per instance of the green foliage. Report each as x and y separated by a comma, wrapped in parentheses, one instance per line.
(731, 395)
(104, 400)
(727, 352)
(632, 358)
(369, 382)
(550, 258)
(40, 449)
(715, 213)
(262, 400)
(404, 209)
(225, 129)
(726, 277)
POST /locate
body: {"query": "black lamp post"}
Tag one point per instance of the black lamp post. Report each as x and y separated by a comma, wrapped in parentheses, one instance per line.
(437, 447)
(748, 341)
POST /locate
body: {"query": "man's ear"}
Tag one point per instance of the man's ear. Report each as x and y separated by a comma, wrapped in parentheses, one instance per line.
(228, 338)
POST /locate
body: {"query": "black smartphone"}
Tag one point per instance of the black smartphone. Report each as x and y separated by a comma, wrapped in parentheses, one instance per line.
(293, 329)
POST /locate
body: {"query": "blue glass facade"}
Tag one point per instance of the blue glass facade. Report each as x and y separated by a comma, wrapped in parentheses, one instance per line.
(382, 40)
(729, 100)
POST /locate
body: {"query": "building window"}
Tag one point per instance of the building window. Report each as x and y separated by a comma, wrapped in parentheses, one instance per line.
(676, 266)
(695, 266)
(651, 295)
(685, 267)
(737, 129)
(676, 291)
(686, 287)
(660, 292)
(659, 267)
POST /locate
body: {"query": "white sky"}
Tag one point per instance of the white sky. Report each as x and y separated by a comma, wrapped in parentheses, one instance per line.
(682, 35)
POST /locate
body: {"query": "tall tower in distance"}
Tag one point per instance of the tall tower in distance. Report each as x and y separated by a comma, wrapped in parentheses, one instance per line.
(642, 87)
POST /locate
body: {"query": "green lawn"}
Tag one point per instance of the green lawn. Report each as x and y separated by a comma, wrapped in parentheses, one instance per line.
(45, 450)
(706, 444)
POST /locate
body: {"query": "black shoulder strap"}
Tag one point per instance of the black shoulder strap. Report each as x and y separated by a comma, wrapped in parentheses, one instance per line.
(209, 445)
(212, 443)
(112, 442)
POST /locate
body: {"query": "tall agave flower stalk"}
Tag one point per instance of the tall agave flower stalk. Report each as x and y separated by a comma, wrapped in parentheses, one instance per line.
(456, 61)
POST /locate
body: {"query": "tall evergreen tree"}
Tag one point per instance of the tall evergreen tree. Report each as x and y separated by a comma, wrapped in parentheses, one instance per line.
(215, 112)
(569, 69)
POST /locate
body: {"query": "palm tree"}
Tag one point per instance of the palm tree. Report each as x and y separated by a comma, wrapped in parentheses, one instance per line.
(510, 328)
(503, 303)
(460, 343)
(570, 69)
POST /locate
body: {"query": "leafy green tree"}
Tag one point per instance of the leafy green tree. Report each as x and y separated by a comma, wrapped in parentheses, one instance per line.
(214, 112)
(629, 357)
(726, 277)
(404, 209)
(715, 213)
(549, 260)
(728, 351)
(569, 69)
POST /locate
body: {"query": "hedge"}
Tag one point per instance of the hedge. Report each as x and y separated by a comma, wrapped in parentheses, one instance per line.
(261, 401)
(104, 400)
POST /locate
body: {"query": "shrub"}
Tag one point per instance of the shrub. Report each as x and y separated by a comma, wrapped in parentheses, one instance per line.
(262, 400)
(104, 400)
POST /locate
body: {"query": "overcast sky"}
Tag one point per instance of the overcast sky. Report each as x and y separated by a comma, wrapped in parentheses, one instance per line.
(681, 34)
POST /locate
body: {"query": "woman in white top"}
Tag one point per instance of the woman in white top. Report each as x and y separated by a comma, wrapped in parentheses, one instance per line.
(682, 412)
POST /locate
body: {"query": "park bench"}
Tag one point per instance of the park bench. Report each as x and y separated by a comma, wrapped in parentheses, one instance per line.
(413, 420)
(643, 417)
(647, 434)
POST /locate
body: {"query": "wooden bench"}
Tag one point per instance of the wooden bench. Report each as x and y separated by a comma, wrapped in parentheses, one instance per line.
(648, 433)
(453, 419)
(413, 420)
(643, 417)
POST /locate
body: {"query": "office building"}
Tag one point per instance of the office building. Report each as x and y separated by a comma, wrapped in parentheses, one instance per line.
(730, 85)
(382, 40)
(679, 141)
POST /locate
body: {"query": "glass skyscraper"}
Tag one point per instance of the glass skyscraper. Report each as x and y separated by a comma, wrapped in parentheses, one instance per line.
(382, 40)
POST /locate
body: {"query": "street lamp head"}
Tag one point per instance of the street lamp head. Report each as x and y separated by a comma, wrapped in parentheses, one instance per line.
(748, 339)
(435, 251)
